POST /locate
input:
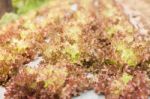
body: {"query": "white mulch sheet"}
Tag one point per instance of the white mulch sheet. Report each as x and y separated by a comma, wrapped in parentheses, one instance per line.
(89, 95)
(2, 91)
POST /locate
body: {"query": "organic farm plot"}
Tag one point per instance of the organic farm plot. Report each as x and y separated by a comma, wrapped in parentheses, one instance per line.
(83, 45)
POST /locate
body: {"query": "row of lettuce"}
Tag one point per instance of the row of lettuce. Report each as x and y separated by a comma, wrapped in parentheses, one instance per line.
(85, 44)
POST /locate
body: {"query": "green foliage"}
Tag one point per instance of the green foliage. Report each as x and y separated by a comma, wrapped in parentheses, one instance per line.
(23, 6)
(73, 52)
(126, 78)
(127, 54)
(119, 84)
(50, 75)
(73, 32)
(29, 25)
(114, 29)
(7, 17)
(111, 30)
(20, 45)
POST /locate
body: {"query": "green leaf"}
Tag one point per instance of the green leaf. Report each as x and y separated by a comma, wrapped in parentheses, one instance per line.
(126, 78)
(127, 55)
(73, 52)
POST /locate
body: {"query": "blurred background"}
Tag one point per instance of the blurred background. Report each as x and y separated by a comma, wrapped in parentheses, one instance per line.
(141, 7)
(12, 9)
(19, 6)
